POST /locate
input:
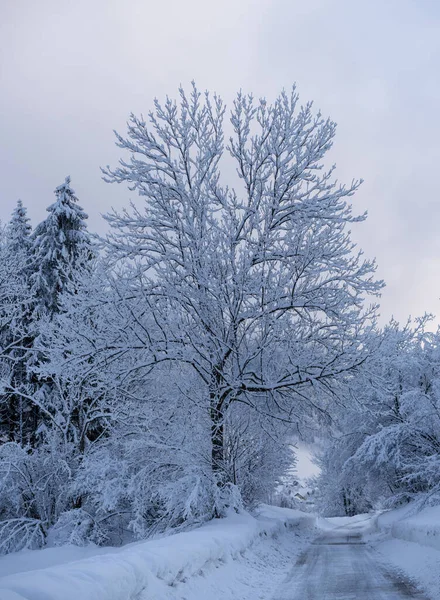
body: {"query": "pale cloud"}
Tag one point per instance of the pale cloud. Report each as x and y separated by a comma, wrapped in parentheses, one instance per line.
(70, 72)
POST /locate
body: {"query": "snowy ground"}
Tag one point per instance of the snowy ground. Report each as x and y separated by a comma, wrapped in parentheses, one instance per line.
(419, 563)
(252, 576)
(280, 554)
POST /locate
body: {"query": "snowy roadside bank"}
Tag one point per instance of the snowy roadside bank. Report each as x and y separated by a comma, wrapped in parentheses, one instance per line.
(423, 527)
(149, 569)
(411, 543)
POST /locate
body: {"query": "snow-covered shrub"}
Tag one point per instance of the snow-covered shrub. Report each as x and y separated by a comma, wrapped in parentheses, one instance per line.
(20, 534)
(144, 486)
(34, 487)
(78, 527)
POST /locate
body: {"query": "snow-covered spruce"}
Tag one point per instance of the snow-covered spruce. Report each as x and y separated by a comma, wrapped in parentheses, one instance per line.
(59, 244)
(15, 309)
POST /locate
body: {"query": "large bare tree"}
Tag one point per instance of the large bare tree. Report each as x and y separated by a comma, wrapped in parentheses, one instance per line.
(258, 286)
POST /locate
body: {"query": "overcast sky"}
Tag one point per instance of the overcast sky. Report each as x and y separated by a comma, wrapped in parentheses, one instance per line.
(71, 72)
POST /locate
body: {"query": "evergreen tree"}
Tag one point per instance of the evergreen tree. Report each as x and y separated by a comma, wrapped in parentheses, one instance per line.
(60, 247)
(15, 321)
(60, 244)
(19, 231)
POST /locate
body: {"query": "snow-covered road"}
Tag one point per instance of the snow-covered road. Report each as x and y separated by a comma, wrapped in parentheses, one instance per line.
(339, 565)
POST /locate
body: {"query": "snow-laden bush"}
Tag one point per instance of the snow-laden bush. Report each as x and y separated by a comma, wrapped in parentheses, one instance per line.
(76, 526)
(34, 486)
(129, 484)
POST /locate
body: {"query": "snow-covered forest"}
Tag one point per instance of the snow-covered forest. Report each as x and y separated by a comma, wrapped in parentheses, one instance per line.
(157, 377)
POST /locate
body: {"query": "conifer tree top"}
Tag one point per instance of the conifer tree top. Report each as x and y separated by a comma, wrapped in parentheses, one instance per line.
(67, 203)
(19, 223)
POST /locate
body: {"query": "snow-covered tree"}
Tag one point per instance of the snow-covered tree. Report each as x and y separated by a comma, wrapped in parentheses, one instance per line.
(15, 334)
(388, 445)
(258, 288)
(72, 405)
(60, 245)
(50, 414)
(83, 397)
(18, 232)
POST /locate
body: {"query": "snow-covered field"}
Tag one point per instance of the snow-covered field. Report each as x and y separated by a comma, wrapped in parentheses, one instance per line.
(238, 557)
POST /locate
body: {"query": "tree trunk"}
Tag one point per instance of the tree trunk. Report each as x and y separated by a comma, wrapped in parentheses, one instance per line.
(217, 442)
(217, 448)
(12, 417)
